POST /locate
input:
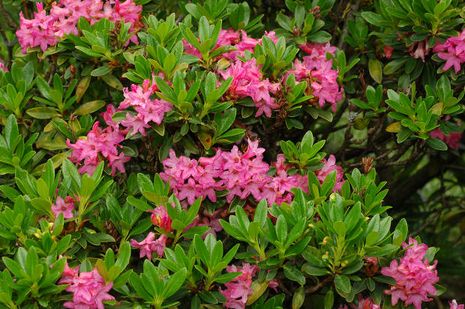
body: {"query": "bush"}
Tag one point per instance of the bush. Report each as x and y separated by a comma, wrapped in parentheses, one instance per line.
(223, 154)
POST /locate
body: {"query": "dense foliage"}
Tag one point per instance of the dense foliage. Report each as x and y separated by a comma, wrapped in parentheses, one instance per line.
(208, 154)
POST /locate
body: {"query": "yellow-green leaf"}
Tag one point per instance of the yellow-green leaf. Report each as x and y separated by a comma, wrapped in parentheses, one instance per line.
(375, 67)
(89, 107)
(82, 87)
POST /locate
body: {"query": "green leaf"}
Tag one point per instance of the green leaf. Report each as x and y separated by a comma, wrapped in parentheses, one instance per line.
(100, 71)
(437, 144)
(89, 107)
(342, 284)
(43, 112)
(375, 67)
(292, 273)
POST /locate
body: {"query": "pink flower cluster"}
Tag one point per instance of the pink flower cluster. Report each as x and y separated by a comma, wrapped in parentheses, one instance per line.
(89, 288)
(64, 206)
(415, 277)
(237, 39)
(238, 290)
(161, 218)
(241, 174)
(147, 109)
(150, 245)
(328, 167)
(318, 71)
(452, 51)
(100, 143)
(46, 29)
(452, 139)
(248, 81)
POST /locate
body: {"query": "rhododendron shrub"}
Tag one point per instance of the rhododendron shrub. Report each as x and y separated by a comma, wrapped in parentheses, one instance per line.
(217, 154)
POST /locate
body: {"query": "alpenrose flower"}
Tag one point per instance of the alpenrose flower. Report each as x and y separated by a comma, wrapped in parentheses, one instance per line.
(100, 143)
(46, 29)
(330, 166)
(150, 245)
(238, 290)
(238, 40)
(318, 71)
(452, 139)
(161, 219)
(64, 206)
(89, 288)
(147, 109)
(452, 51)
(415, 277)
(243, 175)
(248, 81)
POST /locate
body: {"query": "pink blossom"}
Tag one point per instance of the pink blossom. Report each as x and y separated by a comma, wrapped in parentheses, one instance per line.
(238, 40)
(100, 143)
(452, 139)
(248, 81)
(454, 305)
(46, 29)
(64, 207)
(452, 51)
(238, 290)
(242, 175)
(419, 50)
(388, 50)
(328, 167)
(365, 303)
(89, 288)
(147, 109)
(161, 218)
(150, 245)
(317, 70)
(415, 277)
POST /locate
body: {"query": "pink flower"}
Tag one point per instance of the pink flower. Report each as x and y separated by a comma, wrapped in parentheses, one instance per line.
(453, 305)
(317, 70)
(64, 207)
(415, 277)
(238, 290)
(161, 219)
(248, 81)
(100, 143)
(419, 50)
(452, 139)
(453, 51)
(147, 109)
(388, 50)
(328, 167)
(150, 245)
(46, 29)
(242, 175)
(89, 289)
(365, 303)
